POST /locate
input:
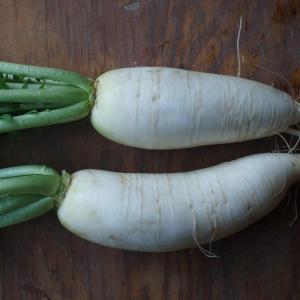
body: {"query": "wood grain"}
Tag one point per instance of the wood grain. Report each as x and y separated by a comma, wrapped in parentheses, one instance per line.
(40, 259)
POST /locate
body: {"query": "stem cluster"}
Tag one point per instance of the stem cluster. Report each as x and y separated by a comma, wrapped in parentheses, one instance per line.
(27, 192)
(33, 96)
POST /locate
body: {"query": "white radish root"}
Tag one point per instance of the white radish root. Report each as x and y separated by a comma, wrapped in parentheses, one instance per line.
(165, 108)
(167, 212)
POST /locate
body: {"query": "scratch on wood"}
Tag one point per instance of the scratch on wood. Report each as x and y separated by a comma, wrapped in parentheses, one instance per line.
(131, 6)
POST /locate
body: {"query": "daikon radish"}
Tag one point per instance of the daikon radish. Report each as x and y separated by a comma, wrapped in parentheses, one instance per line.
(147, 107)
(154, 212)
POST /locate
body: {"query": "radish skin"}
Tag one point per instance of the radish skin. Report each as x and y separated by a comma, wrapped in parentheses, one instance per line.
(167, 108)
(167, 212)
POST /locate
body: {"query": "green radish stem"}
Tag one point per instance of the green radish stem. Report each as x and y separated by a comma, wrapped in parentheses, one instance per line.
(12, 202)
(43, 73)
(28, 184)
(26, 170)
(36, 96)
(13, 108)
(27, 192)
(36, 119)
(35, 86)
(64, 94)
(27, 212)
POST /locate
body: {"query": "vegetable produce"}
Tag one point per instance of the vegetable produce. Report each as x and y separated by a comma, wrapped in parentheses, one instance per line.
(151, 212)
(147, 107)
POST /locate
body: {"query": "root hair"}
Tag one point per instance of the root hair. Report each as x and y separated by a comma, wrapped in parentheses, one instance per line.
(207, 253)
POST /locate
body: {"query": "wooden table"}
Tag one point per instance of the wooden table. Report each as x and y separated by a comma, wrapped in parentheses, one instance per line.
(42, 260)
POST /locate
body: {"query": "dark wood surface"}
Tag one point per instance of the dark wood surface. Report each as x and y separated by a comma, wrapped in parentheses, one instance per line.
(42, 260)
